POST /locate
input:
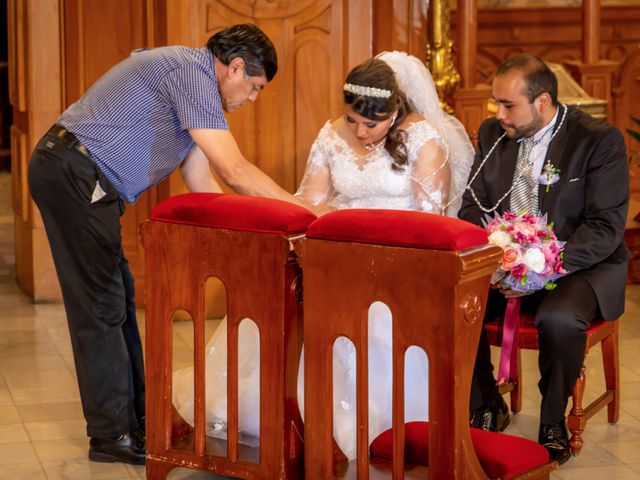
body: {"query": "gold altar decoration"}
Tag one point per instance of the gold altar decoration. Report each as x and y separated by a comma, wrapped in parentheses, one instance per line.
(440, 51)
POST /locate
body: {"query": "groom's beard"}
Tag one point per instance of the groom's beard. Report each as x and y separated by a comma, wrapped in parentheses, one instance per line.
(527, 130)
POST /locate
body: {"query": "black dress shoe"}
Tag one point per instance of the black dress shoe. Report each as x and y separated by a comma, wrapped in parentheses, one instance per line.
(493, 417)
(556, 440)
(139, 434)
(139, 437)
(122, 449)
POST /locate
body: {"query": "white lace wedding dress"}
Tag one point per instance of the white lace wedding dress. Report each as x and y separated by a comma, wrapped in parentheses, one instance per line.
(337, 175)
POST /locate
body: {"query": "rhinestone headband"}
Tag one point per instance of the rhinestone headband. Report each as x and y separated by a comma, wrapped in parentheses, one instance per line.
(366, 91)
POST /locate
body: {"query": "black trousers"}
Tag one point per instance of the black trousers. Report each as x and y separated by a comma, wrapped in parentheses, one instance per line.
(562, 317)
(97, 285)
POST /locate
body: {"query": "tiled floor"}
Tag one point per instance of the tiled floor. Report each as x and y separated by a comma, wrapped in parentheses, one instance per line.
(42, 432)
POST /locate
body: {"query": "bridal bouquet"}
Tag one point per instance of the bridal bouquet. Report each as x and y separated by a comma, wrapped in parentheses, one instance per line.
(532, 254)
(531, 260)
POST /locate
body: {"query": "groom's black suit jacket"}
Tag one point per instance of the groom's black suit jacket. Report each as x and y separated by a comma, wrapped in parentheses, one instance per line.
(588, 205)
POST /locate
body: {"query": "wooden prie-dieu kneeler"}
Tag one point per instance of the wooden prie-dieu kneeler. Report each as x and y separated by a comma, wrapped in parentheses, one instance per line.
(433, 274)
(246, 243)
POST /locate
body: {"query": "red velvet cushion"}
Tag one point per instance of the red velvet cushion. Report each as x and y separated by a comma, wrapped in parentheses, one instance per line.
(233, 212)
(501, 456)
(398, 227)
(527, 332)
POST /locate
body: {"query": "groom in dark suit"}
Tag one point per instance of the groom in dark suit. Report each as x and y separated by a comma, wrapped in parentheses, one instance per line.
(539, 155)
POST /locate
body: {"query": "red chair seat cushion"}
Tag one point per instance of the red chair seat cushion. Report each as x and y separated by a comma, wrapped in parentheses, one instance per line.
(501, 456)
(233, 212)
(527, 332)
(399, 228)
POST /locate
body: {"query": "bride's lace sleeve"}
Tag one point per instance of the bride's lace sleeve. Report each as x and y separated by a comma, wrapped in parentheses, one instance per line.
(316, 186)
(430, 172)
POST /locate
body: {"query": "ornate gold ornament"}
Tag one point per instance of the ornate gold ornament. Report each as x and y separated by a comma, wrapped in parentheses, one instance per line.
(440, 51)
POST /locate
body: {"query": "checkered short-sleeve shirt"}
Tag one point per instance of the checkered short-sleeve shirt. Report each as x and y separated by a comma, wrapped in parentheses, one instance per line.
(135, 119)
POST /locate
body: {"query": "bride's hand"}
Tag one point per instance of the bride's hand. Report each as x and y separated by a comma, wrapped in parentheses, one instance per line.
(321, 209)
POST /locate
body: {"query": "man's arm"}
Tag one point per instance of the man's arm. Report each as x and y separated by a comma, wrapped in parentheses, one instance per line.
(606, 204)
(197, 174)
(223, 154)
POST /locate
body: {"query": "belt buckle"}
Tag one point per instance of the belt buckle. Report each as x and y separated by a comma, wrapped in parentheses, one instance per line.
(82, 149)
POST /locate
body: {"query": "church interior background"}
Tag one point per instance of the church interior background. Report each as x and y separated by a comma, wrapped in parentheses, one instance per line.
(53, 50)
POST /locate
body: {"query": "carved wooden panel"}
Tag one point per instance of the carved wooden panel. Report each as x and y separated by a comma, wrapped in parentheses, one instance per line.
(16, 23)
(19, 188)
(98, 35)
(627, 104)
(551, 33)
(400, 25)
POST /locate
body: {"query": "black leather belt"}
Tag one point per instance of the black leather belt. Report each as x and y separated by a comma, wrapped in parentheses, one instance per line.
(69, 138)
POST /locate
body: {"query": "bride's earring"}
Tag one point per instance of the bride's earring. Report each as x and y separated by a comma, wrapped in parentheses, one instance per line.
(393, 120)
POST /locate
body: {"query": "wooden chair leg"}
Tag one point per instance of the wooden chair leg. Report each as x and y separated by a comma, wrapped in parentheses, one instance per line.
(611, 373)
(516, 393)
(577, 420)
(158, 469)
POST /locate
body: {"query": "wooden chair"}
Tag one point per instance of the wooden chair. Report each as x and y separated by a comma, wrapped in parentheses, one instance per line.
(246, 243)
(600, 331)
(433, 273)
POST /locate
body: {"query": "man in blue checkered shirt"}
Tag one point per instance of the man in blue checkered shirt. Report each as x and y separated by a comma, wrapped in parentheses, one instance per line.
(158, 110)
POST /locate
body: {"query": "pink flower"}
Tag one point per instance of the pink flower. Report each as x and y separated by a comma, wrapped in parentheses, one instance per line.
(494, 225)
(549, 254)
(523, 231)
(557, 268)
(519, 271)
(510, 258)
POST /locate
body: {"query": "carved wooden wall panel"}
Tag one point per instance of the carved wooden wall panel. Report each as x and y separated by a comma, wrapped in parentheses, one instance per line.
(400, 25)
(627, 103)
(317, 80)
(551, 33)
(16, 23)
(97, 35)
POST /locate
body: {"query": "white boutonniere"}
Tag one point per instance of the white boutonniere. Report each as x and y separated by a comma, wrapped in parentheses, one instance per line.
(550, 175)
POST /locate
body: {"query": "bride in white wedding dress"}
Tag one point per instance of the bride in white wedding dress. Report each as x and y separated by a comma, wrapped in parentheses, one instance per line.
(394, 148)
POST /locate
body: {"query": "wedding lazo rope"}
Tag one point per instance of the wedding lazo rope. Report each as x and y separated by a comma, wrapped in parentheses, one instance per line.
(513, 184)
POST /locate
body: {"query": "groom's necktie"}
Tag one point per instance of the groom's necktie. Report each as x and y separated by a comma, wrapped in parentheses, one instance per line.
(524, 195)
